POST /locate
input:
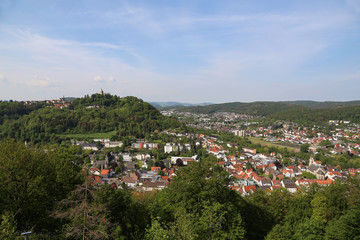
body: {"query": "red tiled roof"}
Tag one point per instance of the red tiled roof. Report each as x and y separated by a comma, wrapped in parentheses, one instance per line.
(249, 188)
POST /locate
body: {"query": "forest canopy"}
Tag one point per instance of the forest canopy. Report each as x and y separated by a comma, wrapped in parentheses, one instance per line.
(128, 116)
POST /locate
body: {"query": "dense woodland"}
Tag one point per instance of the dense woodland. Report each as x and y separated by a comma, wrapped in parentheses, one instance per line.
(46, 192)
(128, 116)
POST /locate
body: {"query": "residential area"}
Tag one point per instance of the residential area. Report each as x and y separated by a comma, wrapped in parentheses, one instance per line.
(139, 169)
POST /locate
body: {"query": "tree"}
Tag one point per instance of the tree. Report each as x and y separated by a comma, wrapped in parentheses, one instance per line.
(157, 232)
(346, 227)
(8, 226)
(127, 213)
(304, 148)
(308, 175)
(199, 205)
(30, 183)
(86, 219)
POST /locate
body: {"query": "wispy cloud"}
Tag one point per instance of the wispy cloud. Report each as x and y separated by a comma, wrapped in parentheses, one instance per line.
(40, 81)
(3, 79)
(168, 51)
(72, 64)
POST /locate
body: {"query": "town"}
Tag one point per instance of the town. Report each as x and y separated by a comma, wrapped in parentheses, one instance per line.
(139, 167)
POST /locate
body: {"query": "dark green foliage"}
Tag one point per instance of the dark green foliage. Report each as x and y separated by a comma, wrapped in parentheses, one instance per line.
(14, 110)
(129, 116)
(308, 175)
(31, 181)
(321, 213)
(198, 205)
(304, 147)
(127, 214)
(346, 227)
(318, 116)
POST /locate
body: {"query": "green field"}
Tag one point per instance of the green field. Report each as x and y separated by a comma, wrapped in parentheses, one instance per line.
(289, 146)
(88, 135)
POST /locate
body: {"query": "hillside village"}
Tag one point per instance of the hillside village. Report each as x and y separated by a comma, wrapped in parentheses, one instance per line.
(249, 169)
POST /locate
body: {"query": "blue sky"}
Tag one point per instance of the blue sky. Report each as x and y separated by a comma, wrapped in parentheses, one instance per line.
(188, 51)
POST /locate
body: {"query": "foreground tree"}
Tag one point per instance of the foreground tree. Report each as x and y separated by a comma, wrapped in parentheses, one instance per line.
(198, 205)
(30, 182)
(86, 220)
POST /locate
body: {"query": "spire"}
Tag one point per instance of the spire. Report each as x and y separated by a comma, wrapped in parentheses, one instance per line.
(311, 161)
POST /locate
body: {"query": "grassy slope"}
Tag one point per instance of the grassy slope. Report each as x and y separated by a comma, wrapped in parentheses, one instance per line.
(289, 146)
(88, 135)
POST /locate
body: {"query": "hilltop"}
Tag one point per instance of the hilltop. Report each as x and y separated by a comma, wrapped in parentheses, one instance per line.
(98, 113)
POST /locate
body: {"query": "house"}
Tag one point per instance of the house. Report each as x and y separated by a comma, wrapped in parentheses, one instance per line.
(126, 157)
(248, 189)
(184, 160)
(288, 173)
(165, 179)
(155, 169)
(168, 148)
(151, 186)
(265, 182)
(277, 175)
(89, 146)
(113, 144)
(289, 185)
(105, 173)
(308, 182)
(249, 150)
(94, 171)
(129, 181)
(96, 180)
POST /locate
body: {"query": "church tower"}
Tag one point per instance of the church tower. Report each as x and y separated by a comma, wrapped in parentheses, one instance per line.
(311, 161)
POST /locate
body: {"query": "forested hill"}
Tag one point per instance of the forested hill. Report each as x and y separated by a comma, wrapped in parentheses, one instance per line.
(254, 108)
(14, 110)
(326, 104)
(128, 116)
(296, 111)
(318, 116)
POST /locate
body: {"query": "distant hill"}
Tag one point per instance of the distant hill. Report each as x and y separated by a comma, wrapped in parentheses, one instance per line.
(128, 116)
(326, 104)
(265, 108)
(160, 105)
(307, 115)
(254, 108)
(69, 98)
(297, 111)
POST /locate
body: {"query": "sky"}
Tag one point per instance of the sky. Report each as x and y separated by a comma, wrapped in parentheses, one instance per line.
(186, 51)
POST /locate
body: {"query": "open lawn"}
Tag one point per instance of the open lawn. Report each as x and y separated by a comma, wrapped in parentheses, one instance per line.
(88, 135)
(289, 146)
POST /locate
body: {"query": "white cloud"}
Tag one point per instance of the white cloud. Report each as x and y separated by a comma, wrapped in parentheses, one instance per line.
(98, 78)
(39, 81)
(112, 79)
(3, 79)
(142, 19)
(37, 60)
